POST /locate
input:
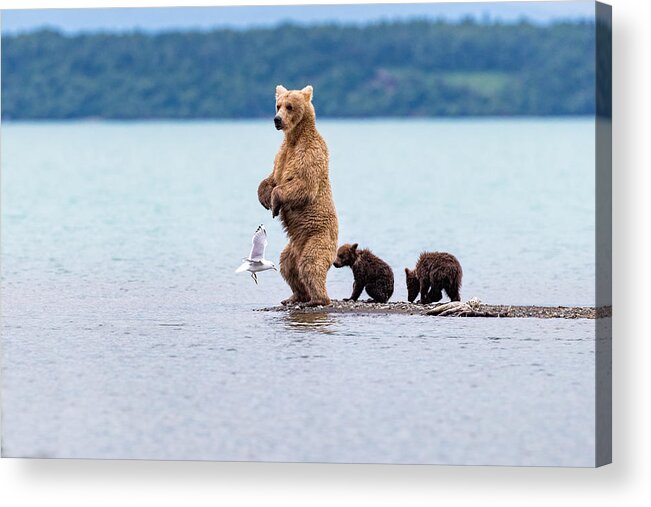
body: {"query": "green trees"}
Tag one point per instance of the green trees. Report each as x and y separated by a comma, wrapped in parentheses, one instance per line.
(417, 68)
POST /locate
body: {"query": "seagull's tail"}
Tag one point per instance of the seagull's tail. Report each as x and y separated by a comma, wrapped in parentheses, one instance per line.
(242, 268)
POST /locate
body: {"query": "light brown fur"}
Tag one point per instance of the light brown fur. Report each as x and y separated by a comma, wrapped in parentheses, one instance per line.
(298, 189)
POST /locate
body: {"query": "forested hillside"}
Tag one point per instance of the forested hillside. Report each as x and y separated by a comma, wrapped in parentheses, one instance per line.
(416, 68)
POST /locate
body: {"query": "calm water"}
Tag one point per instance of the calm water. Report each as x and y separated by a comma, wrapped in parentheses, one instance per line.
(126, 333)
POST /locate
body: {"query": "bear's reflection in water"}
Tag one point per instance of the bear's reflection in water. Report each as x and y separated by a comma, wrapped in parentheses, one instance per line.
(320, 322)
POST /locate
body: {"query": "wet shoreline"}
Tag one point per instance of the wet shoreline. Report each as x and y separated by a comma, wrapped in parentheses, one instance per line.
(479, 310)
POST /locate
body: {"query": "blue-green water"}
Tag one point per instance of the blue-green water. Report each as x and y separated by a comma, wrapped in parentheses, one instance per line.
(126, 333)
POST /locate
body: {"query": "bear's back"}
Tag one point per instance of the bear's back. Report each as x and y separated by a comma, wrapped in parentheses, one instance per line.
(442, 263)
(371, 265)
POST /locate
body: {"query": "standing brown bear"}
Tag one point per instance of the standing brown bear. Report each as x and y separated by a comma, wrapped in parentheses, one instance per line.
(299, 191)
(435, 272)
(369, 271)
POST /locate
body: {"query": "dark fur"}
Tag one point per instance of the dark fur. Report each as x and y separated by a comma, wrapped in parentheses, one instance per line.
(435, 272)
(370, 273)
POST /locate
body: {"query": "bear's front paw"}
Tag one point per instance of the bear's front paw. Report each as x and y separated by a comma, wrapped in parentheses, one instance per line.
(264, 193)
(275, 204)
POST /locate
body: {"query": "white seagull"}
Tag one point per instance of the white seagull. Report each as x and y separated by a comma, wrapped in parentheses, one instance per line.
(256, 261)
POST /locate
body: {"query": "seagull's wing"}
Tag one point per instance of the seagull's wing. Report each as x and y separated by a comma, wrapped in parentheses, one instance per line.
(259, 244)
(245, 265)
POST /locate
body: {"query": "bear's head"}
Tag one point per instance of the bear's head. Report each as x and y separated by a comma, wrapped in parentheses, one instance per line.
(346, 255)
(292, 107)
(413, 285)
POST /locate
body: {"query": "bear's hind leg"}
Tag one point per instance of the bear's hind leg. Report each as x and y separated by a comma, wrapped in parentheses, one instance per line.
(378, 291)
(313, 269)
(453, 293)
(290, 272)
(314, 275)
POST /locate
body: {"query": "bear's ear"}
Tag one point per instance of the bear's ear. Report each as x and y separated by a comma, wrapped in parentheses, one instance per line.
(354, 247)
(407, 271)
(280, 89)
(308, 91)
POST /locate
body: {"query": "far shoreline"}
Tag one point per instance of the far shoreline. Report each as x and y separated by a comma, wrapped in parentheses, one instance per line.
(324, 119)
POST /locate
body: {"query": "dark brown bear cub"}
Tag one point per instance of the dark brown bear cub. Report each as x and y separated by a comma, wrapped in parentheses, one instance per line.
(435, 272)
(370, 273)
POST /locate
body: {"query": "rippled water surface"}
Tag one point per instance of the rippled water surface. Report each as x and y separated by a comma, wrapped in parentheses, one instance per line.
(126, 333)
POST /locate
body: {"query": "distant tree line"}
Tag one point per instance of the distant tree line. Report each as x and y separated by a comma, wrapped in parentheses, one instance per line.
(414, 68)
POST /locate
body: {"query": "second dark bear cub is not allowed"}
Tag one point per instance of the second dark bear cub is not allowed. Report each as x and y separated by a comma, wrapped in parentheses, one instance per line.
(435, 272)
(369, 271)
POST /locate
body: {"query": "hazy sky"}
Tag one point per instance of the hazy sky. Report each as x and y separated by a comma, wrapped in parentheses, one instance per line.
(154, 19)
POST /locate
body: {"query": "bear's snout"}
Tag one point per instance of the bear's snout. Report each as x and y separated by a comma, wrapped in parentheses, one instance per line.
(336, 264)
(278, 122)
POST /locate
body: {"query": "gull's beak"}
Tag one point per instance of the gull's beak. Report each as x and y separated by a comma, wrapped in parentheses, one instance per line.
(274, 268)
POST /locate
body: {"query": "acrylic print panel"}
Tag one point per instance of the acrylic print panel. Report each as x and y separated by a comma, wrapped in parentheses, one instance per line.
(142, 150)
